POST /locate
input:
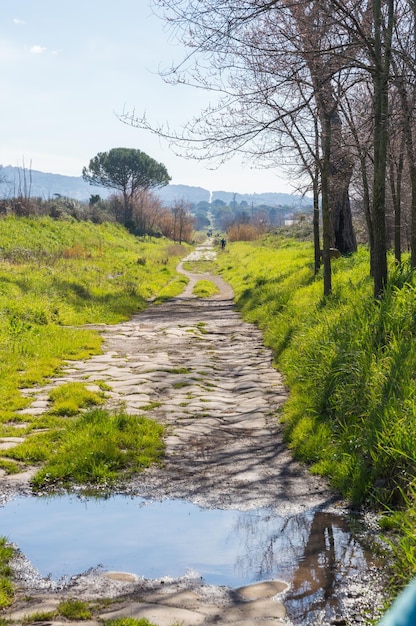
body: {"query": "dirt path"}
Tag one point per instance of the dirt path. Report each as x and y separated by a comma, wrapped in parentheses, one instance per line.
(211, 380)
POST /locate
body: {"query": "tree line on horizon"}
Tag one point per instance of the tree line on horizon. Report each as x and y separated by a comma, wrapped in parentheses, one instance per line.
(132, 178)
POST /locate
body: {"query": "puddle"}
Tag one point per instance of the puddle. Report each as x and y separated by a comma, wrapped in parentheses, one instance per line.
(66, 535)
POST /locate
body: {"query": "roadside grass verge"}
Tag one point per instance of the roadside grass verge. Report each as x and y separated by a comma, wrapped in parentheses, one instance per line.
(56, 278)
(6, 586)
(349, 363)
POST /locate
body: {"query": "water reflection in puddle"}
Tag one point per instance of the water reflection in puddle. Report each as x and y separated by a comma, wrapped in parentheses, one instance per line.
(67, 535)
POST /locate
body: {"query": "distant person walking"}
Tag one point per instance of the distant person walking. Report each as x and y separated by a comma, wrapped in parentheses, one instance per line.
(223, 242)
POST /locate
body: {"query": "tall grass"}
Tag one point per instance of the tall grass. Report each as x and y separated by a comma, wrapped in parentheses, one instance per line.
(349, 363)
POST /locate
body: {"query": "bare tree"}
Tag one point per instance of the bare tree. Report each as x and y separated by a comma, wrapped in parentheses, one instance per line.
(265, 63)
(370, 27)
(147, 212)
(257, 55)
(357, 110)
(396, 161)
(381, 52)
(182, 221)
(325, 53)
(404, 81)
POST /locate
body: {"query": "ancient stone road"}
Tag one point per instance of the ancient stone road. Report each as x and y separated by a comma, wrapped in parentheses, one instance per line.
(212, 382)
(208, 377)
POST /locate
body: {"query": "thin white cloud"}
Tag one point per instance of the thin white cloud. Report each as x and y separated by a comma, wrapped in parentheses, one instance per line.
(17, 21)
(37, 49)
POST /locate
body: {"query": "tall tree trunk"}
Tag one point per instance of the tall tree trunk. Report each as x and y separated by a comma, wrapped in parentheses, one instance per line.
(316, 241)
(128, 213)
(326, 215)
(413, 215)
(315, 184)
(407, 111)
(412, 164)
(367, 211)
(382, 54)
(340, 172)
(396, 195)
(340, 165)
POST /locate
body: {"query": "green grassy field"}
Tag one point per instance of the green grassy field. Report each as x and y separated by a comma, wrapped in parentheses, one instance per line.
(349, 363)
(57, 275)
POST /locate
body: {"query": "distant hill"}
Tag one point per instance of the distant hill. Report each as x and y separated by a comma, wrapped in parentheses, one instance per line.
(271, 198)
(16, 180)
(171, 193)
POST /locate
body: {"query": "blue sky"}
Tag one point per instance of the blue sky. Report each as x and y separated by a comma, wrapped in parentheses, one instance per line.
(68, 67)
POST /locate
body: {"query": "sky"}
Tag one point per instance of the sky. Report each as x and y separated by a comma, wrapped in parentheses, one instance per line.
(69, 68)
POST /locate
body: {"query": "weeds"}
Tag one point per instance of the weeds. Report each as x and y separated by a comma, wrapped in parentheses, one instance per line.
(150, 406)
(39, 617)
(74, 609)
(70, 609)
(129, 621)
(177, 370)
(200, 266)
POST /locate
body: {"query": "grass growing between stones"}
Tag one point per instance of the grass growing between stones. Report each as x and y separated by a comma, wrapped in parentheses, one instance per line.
(97, 448)
(349, 362)
(132, 621)
(205, 289)
(200, 266)
(70, 609)
(74, 609)
(69, 398)
(79, 610)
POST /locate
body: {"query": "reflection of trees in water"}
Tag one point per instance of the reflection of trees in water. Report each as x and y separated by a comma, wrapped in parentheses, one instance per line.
(314, 552)
(268, 544)
(330, 552)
